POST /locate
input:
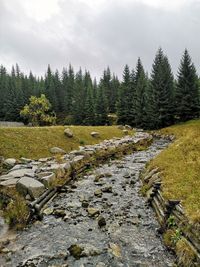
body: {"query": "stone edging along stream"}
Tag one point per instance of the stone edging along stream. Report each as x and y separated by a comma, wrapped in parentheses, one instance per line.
(40, 180)
(179, 233)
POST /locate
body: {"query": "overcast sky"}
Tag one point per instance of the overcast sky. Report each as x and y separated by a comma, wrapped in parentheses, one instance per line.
(96, 33)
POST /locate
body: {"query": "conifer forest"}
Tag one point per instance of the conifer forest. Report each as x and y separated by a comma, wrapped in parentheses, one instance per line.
(149, 101)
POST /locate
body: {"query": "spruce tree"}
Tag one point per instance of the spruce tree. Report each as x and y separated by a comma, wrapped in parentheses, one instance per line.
(187, 90)
(160, 95)
(140, 89)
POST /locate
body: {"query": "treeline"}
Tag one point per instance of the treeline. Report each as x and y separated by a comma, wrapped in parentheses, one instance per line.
(149, 102)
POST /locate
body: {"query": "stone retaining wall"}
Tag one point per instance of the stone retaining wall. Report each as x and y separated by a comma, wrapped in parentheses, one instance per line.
(11, 124)
(35, 178)
(175, 225)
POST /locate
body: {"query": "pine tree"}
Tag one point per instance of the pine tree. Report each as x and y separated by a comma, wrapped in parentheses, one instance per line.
(187, 90)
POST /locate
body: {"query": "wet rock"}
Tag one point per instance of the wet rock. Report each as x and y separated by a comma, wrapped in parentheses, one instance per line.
(83, 250)
(98, 193)
(115, 250)
(57, 150)
(59, 213)
(132, 182)
(90, 250)
(101, 264)
(76, 251)
(107, 189)
(92, 211)
(98, 177)
(68, 132)
(85, 203)
(127, 175)
(48, 211)
(101, 221)
(27, 185)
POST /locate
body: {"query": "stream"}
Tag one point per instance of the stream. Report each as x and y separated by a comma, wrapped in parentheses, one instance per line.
(98, 220)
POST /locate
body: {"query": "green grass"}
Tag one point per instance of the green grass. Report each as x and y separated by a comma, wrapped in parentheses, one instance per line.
(180, 164)
(35, 142)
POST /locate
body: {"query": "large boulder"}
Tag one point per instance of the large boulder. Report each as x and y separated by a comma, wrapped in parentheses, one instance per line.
(57, 150)
(95, 134)
(68, 133)
(27, 185)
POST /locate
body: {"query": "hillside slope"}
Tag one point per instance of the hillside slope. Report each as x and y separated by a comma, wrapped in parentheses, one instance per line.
(35, 142)
(180, 164)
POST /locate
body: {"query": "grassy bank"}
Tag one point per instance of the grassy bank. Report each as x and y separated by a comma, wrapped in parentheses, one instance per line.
(35, 142)
(180, 164)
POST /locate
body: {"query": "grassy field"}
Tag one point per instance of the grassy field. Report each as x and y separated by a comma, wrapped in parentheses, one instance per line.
(180, 164)
(35, 142)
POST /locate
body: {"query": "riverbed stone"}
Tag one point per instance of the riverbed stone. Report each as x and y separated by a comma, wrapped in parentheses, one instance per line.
(92, 211)
(98, 193)
(107, 188)
(101, 221)
(27, 185)
(115, 250)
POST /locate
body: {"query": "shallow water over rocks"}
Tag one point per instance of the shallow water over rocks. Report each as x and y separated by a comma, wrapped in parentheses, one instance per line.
(98, 220)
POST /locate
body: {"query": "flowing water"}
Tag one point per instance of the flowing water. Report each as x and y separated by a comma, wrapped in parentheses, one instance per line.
(120, 230)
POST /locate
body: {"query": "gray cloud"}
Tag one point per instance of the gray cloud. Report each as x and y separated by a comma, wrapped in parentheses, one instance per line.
(115, 34)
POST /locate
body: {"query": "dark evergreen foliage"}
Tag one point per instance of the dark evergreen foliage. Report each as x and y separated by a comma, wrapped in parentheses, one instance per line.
(187, 90)
(137, 100)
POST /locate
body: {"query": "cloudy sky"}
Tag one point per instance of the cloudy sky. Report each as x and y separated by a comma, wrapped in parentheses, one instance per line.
(96, 33)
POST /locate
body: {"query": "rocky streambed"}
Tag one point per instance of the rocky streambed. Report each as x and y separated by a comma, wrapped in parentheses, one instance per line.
(99, 219)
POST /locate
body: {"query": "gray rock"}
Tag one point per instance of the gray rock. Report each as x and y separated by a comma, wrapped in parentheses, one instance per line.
(10, 162)
(25, 160)
(68, 132)
(95, 134)
(57, 150)
(27, 185)
(9, 183)
(47, 178)
(21, 172)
